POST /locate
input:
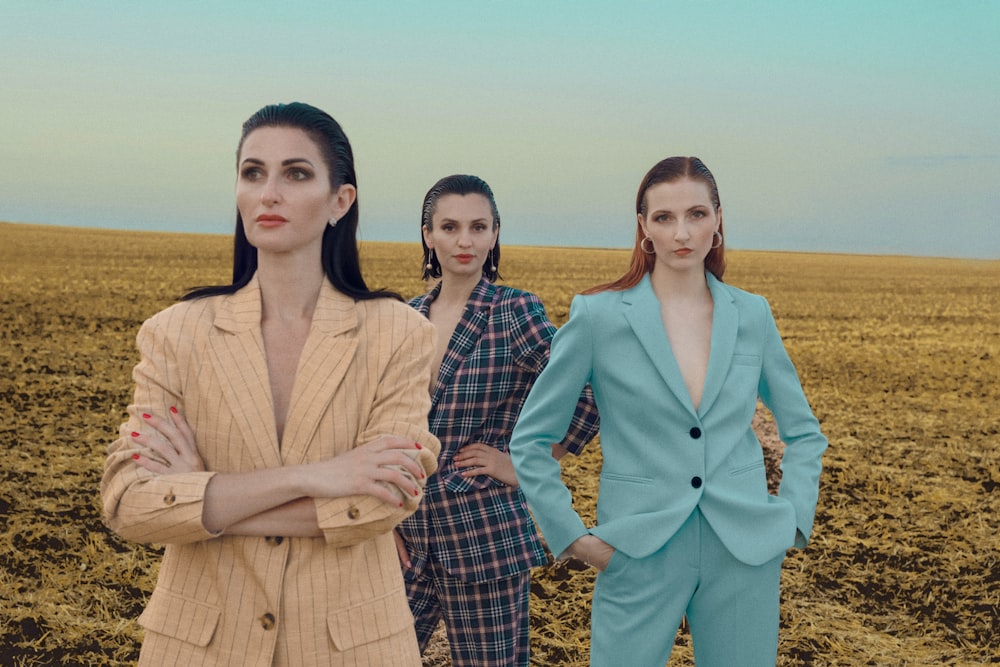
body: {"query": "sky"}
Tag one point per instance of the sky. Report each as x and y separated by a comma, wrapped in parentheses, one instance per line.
(854, 126)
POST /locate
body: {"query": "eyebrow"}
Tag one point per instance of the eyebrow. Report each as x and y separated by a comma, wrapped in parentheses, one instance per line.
(444, 220)
(688, 210)
(284, 163)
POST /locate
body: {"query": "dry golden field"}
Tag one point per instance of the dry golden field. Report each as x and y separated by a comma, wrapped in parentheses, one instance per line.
(900, 358)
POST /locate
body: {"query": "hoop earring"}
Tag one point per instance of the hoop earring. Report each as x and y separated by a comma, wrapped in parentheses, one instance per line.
(642, 246)
(430, 259)
(718, 234)
(493, 261)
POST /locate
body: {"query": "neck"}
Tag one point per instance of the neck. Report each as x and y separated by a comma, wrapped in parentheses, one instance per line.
(679, 285)
(289, 290)
(457, 289)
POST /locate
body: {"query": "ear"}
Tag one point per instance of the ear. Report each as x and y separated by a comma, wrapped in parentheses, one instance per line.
(718, 223)
(642, 223)
(343, 199)
(428, 239)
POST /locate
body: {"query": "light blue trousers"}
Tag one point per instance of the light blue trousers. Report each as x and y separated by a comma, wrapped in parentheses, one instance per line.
(732, 607)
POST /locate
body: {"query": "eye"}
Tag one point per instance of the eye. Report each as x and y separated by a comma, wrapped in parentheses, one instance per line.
(661, 217)
(299, 174)
(251, 173)
(698, 214)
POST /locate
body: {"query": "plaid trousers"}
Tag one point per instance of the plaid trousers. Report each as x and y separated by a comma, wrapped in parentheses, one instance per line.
(487, 622)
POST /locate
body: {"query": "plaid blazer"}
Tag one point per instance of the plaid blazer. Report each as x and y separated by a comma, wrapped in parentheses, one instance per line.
(255, 601)
(480, 529)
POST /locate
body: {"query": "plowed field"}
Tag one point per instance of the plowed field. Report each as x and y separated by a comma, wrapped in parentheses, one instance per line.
(900, 358)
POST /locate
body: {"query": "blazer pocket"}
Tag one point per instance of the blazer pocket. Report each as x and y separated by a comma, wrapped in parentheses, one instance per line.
(370, 621)
(739, 470)
(615, 477)
(180, 617)
(746, 359)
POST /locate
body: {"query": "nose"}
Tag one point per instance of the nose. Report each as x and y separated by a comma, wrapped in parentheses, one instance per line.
(682, 232)
(464, 239)
(270, 193)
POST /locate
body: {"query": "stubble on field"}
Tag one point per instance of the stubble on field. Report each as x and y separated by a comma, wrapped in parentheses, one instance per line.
(898, 356)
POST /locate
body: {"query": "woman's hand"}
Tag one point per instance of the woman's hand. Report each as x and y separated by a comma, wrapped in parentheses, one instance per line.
(171, 444)
(593, 551)
(481, 459)
(386, 468)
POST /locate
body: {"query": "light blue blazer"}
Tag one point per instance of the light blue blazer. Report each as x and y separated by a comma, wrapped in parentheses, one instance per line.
(663, 458)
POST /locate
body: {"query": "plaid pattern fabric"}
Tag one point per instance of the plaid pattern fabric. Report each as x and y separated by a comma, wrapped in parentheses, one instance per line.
(487, 623)
(480, 529)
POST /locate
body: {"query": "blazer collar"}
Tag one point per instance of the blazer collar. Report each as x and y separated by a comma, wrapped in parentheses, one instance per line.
(725, 326)
(642, 312)
(240, 361)
(467, 332)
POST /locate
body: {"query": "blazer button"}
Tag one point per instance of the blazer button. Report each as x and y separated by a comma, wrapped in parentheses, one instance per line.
(696, 482)
(353, 513)
(695, 432)
(274, 541)
(169, 499)
(267, 621)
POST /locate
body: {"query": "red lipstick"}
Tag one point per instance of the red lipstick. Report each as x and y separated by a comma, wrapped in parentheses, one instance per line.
(270, 220)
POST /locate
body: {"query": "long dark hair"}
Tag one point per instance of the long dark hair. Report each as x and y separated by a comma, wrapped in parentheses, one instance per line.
(667, 171)
(341, 262)
(459, 184)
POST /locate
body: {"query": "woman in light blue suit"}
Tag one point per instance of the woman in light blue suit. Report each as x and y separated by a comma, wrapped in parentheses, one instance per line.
(677, 361)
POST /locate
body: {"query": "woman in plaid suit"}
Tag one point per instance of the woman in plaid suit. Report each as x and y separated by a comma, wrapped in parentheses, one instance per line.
(468, 550)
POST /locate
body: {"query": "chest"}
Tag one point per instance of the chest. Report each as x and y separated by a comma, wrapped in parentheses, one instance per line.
(689, 332)
(445, 321)
(283, 345)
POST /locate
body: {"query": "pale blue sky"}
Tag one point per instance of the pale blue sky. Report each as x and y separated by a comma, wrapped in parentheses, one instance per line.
(849, 126)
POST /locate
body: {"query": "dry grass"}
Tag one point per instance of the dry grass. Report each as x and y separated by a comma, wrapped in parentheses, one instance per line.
(899, 357)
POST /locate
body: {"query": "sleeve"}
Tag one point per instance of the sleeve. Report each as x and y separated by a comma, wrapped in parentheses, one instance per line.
(545, 418)
(585, 422)
(138, 505)
(781, 392)
(400, 408)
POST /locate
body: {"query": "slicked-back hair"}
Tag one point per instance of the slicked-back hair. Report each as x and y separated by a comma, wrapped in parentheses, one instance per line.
(667, 171)
(340, 258)
(458, 184)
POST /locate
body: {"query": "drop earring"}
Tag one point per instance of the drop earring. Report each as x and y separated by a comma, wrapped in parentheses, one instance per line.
(430, 259)
(493, 260)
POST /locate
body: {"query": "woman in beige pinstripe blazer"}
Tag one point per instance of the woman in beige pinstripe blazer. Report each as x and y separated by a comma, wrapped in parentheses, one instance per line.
(278, 431)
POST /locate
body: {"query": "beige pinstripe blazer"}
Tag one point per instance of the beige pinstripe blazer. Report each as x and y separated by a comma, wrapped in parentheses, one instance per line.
(234, 600)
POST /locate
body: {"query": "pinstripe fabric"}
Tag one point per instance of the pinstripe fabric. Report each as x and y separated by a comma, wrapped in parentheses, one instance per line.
(234, 600)
(479, 529)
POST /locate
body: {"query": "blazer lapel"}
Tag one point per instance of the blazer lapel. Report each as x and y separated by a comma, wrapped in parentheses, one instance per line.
(239, 360)
(326, 357)
(642, 312)
(725, 326)
(467, 332)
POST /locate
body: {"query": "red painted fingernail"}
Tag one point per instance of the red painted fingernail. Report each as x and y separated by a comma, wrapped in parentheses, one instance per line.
(135, 457)
(145, 416)
(400, 504)
(173, 409)
(418, 445)
(416, 492)
(135, 435)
